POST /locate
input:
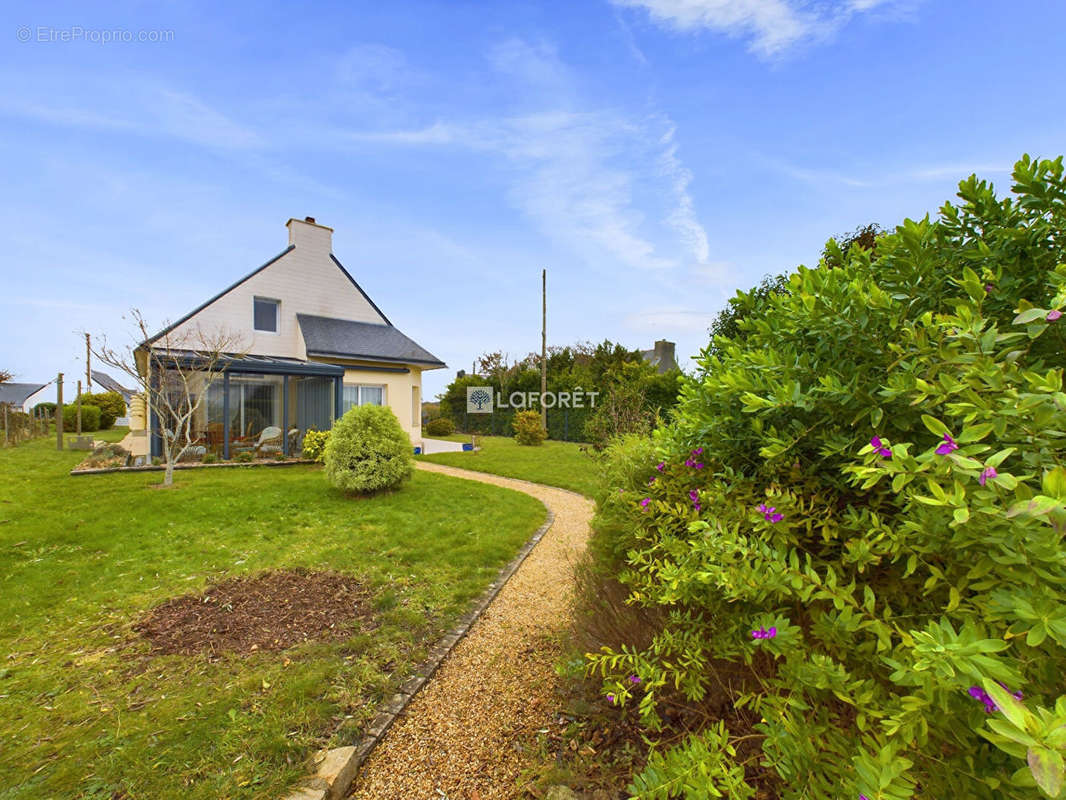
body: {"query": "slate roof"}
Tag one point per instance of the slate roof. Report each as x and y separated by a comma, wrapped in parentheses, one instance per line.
(15, 394)
(109, 384)
(326, 337)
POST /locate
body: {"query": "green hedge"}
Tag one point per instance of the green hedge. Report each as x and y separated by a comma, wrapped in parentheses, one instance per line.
(858, 518)
(90, 418)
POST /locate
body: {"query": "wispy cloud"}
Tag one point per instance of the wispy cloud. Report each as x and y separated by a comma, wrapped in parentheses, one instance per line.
(857, 179)
(599, 182)
(770, 26)
(140, 108)
(670, 319)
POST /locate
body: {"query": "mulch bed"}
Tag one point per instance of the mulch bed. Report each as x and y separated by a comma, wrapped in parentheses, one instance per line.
(271, 611)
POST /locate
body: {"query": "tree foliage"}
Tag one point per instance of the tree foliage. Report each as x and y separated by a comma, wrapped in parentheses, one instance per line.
(861, 511)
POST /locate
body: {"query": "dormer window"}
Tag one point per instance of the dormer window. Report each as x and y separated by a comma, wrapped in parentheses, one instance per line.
(265, 313)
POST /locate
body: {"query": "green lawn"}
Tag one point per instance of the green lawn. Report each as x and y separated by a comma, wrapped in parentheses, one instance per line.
(564, 464)
(86, 713)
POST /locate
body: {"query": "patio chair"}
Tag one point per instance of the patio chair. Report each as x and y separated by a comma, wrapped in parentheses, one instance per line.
(269, 441)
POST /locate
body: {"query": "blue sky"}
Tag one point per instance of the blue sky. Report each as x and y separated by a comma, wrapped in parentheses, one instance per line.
(653, 155)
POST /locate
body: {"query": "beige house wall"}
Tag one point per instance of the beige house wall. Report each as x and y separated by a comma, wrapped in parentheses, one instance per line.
(401, 389)
(305, 280)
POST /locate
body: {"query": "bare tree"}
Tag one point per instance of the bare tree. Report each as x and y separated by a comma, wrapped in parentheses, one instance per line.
(173, 371)
(5, 376)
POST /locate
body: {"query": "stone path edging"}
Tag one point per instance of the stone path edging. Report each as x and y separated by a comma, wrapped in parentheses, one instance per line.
(336, 769)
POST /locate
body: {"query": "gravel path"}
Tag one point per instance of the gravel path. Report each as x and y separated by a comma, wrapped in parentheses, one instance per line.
(460, 737)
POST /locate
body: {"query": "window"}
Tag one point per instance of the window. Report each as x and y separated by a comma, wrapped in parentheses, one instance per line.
(362, 395)
(266, 314)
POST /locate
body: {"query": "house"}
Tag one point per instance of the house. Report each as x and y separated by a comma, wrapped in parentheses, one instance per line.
(661, 356)
(109, 384)
(313, 345)
(19, 395)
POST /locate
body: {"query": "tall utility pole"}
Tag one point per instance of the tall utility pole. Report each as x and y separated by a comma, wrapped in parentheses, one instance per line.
(543, 346)
(59, 412)
(88, 365)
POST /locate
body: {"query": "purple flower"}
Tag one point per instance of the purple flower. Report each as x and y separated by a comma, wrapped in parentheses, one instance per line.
(763, 633)
(610, 698)
(769, 513)
(948, 446)
(988, 474)
(1053, 315)
(698, 465)
(634, 679)
(694, 496)
(980, 694)
(697, 451)
(644, 502)
(660, 466)
(988, 288)
(651, 482)
(863, 797)
(689, 462)
(880, 448)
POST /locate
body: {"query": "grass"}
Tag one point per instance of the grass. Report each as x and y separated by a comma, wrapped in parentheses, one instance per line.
(85, 712)
(564, 464)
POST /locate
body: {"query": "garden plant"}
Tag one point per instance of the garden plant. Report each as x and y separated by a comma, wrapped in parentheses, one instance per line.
(853, 532)
(368, 451)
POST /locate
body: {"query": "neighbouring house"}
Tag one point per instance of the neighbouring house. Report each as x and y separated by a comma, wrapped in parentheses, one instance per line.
(661, 356)
(313, 345)
(109, 384)
(19, 395)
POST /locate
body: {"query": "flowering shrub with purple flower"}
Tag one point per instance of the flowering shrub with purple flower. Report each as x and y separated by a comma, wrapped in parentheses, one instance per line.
(883, 488)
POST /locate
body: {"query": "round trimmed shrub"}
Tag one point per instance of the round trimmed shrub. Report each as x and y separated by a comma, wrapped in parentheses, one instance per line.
(441, 426)
(90, 418)
(528, 428)
(368, 451)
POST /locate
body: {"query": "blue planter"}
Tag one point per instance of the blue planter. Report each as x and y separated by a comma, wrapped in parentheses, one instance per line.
(418, 451)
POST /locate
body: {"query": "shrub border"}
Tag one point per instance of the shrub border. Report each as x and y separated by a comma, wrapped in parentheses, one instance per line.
(337, 768)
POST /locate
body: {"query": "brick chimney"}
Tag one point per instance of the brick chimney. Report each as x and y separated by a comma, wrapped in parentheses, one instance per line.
(308, 233)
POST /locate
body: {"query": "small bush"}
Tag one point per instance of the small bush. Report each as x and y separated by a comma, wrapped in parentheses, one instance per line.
(441, 426)
(111, 406)
(244, 457)
(528, 429)
(368, 451)
(209, 458)
(90, 418)
(44, 410)
(315, 444)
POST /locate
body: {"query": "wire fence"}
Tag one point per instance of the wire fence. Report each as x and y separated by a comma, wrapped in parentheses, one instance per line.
(564, 424)
(18, 426)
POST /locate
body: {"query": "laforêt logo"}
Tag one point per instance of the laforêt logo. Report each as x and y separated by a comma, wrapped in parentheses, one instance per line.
(480, 399)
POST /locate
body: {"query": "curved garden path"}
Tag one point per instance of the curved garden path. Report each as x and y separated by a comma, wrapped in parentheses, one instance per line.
(458, 739)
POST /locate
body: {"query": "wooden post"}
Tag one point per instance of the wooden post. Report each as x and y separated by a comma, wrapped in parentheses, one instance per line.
(77, 402)
(543, 346)
(5, 424)
(59, 412)
(88, 365)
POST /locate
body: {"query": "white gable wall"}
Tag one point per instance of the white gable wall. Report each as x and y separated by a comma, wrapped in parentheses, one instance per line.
(305, 280)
